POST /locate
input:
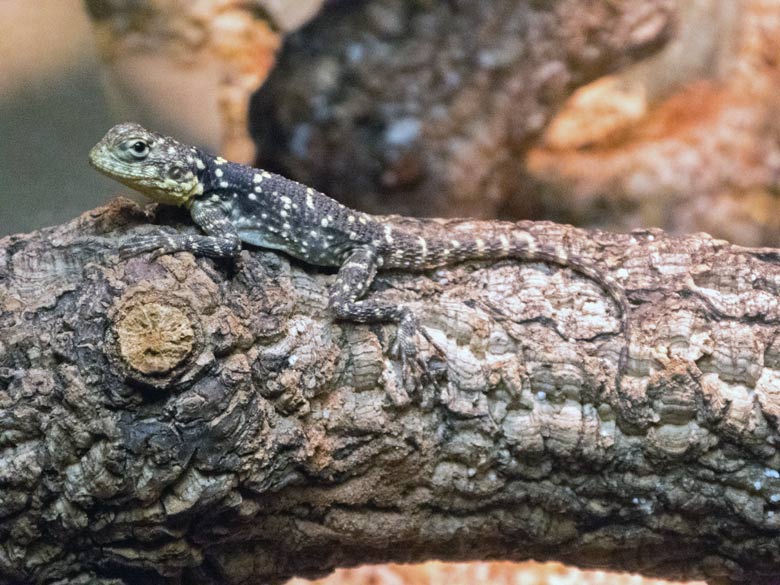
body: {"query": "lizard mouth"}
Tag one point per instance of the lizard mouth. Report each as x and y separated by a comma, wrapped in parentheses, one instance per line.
(97, 159)
(94, 157)
(103, 160)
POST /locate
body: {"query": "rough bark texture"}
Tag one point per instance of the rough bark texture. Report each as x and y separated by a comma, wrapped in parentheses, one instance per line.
(428, 108)
(186, 419)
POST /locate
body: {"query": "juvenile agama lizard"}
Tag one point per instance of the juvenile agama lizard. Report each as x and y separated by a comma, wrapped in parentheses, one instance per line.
(234, 203)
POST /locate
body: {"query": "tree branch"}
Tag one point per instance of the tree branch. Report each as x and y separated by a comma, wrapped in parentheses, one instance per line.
(186, 419)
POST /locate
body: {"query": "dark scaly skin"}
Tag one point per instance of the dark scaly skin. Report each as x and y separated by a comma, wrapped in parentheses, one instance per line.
(234, 203)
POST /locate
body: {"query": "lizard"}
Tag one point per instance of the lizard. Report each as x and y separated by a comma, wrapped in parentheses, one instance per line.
(234, 204)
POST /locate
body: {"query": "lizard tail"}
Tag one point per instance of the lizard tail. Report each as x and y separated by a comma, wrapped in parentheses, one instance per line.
(521, 245)
(462, 246)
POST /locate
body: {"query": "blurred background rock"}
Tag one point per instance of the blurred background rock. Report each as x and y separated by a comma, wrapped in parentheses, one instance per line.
(687, 139)
(430, 108)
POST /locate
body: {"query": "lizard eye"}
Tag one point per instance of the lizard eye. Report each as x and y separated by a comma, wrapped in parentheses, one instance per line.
(138, 149)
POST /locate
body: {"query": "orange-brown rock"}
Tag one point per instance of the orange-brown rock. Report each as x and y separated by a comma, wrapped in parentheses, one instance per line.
(190, 67)
(694, 153)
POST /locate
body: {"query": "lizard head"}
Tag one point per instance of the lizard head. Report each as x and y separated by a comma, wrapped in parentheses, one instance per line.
(160, 167)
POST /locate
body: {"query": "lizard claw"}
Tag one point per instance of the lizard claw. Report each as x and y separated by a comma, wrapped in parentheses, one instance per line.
(415, 369)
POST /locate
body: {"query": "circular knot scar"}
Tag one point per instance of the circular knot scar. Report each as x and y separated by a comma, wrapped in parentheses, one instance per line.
(154, 338)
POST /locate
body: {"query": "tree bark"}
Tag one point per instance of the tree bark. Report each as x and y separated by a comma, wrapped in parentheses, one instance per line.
(186, 420)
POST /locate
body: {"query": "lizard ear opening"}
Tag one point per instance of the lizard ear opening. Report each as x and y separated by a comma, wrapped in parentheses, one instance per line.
(176, 173)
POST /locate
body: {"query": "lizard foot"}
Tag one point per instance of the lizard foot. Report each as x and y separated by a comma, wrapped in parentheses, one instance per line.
(157, 245)
(415, 369)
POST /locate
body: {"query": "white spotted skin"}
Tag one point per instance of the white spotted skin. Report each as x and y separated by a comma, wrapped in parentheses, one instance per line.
(271, 211)
(277, 213)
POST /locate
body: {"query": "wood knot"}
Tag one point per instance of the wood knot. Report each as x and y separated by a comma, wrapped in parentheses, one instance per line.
(154, 338)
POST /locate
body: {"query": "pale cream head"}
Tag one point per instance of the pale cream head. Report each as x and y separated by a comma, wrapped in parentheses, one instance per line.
(158, 166)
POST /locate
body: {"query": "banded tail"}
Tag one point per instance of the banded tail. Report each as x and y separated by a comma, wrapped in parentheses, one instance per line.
(415, 252)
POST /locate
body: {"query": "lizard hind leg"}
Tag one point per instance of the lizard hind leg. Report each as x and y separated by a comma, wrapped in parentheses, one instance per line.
(345, 301)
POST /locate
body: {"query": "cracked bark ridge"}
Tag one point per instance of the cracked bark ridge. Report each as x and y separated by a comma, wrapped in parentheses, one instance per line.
(192, 421)
(428, 108)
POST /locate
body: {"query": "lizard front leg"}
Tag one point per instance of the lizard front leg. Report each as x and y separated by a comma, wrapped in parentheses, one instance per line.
(353, 280)
(221, 241)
